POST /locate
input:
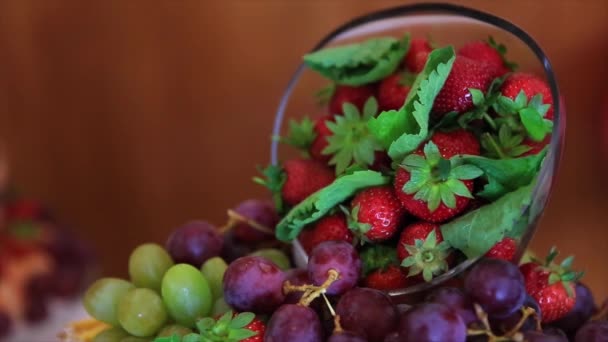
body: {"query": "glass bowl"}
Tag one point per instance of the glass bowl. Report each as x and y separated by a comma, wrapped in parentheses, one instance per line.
(449, 24)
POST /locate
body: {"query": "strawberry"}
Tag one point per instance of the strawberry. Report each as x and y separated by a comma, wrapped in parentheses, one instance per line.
(391, 278)
(24, 210)
(465, 74)
(429, 186)
(531, 86)
(417, 54)
(551, 285)
(347, 94)
(504, 249)
(483, 52)
(320, 141)
(328, 228)
(392, 92)
(296, 180)
(258, 327)
(422, 250)
(376, 214)
(232, 327)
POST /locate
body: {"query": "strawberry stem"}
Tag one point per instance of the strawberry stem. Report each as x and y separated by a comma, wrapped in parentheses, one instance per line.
(490, 121)
(499, 152)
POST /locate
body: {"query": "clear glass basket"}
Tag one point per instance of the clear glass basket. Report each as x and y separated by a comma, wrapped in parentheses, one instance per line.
(449, 24)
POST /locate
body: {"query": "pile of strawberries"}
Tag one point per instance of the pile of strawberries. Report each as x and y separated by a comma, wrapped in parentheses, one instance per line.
(484, 109)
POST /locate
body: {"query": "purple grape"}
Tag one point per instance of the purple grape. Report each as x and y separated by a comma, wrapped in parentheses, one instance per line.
(298, 277)
(367, 312)
(6, 324)
(67, 281)
(294, 323)
(339, 256)
(431, 322)
(259, 211)
(234, 249)
(392, 337)
(254, 284)
(346, 336)
(581, 312)
(455, 299)
(508, 323)
(35, 310)
(593, 331)
(537, 336)
(39, 286)
(194, 243)
(497, 286)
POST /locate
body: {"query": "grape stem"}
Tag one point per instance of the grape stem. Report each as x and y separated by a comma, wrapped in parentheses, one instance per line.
(235, 218)
(311, 292)
(337, 326)
(512, 335)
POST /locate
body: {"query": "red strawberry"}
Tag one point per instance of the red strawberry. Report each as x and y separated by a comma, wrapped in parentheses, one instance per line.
(391, 278)
(320, 141)
(482, 52)
(382, 161)
(535, 146)
(305, 238)
(417, 54)
(504, 249)
(531, 85)
(427, 185)
(24, 210)
(392, 92)
(552, 286)
(465, 74)
(355, 95)
(258, 327)
(332, 227)
(422, 250)
(376, 213)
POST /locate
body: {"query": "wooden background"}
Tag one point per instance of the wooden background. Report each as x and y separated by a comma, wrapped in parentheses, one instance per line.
(131, 117)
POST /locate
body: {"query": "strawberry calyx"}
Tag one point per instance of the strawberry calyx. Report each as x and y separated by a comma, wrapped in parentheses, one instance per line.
(273, 178)
(502, 51)
(325, 94)
(378, 257)
(524, 116)
(427, 257)
(301, 134)
(351, 143)
(359, 229)
(230, 327)
(435, 179)
(407, 78)
(560, 273)
(506, 144)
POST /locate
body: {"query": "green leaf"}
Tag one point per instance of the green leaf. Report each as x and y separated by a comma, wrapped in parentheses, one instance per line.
(477, 231)
(241, 320)
(502, 50)
(321, 202)
(477, 96)
(374, 257)
(192, 338)
(273, 179)
(534, 124)
(505, 106)
(458, 188)
(466, 172)
(360, 63)
(301, 134)
(521, 100)
(241, 334)
(205, 323)
(447, 196)
(325, 94)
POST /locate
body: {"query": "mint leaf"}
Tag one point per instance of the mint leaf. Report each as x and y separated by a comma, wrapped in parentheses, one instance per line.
(321, 202)
(404, 130)
(477, 231)
(359, 63)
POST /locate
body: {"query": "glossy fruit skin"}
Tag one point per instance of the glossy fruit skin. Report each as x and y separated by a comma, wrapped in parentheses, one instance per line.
(506, 324)
(320, 142)
(413, 232)
(391, 278)
(355, 95)
(504, 249)
(593, 331)
(367, 312)
(186, 294)
(113, 334)
(277, 256)
(416, 57)
(304, 177)
(256, 326)
(213, 270)
(147, 265)
(497, 286)
(531, 85)
(457, 300)
(430, 322)
(141, 312)
(391, 93)
(339, 256)
(296, 276)
(260, 211)
(194, 243)
(381, 210)
(482, 52)
(294, 323)
(102, 298)
(581, 312)
(329, 228)
(254, 284)
(465, 74)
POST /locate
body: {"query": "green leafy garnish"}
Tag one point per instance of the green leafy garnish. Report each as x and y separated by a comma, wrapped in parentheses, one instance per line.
(350, 142)
(301, 134)
(377, 257)
(360, 63)
(321, 202)
(427, 257)
(325, 94)
(521, 112)
(402, 131)
(502, 50)
(505, 145)
(477, 231)
(274, 179)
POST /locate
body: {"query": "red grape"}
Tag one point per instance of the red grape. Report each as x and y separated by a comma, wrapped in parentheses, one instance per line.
(296, 276)
(431, 322)
(367, 312)
(455, 299)
(537, 336)
(254, 284)
(593, 331)
(194, 243)
(508, 323)
(259, 211)
(6, 324)
(339, 256)
(293, 322)
(346, 336)
(582, 311)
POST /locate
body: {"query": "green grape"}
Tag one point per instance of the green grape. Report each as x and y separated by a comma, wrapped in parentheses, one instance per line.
(220, 307)
(147, 265)
(213, 270)
(186, 294)
(135, 339)
(113, 334)
(173, 329)
(141, 312)
(275, 255)
(102, 298)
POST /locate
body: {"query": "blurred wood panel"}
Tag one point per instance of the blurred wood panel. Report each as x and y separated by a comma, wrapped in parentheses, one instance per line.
(130, 117)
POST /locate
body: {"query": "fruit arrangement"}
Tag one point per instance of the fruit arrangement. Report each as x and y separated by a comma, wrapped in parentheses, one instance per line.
(427, 158)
